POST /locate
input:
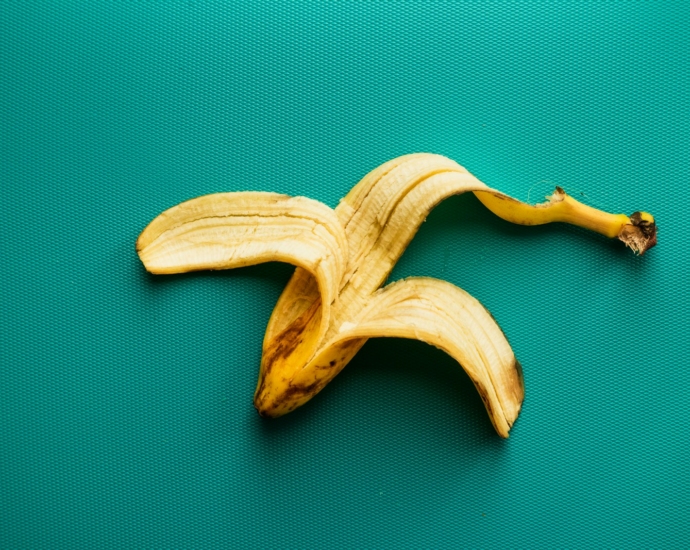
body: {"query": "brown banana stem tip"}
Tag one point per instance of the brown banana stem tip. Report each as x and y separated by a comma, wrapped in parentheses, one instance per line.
(639, 234)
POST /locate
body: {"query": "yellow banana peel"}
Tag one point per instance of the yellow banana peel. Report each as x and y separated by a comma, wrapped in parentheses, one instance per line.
(335, 301)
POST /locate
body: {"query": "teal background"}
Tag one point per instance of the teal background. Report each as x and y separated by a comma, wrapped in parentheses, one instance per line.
(126, 416)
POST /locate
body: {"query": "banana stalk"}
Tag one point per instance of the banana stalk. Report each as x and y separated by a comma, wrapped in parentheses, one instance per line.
(334, 301)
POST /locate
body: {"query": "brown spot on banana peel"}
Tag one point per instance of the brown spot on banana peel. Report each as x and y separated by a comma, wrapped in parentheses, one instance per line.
(292, 397)
(304, 379)
(286, 349)
(521, 376)
(483, 394)
(287, 341)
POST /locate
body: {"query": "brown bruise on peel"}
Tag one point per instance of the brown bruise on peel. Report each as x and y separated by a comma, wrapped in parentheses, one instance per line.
(521, 376)
(481, 390)
(517, 367)
(297, 391)
(484, 395)
(282, 347)
(294, 396)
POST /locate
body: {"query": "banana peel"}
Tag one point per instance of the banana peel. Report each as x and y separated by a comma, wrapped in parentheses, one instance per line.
(335, 300)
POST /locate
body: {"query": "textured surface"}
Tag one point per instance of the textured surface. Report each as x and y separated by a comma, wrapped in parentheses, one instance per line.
(126, 417)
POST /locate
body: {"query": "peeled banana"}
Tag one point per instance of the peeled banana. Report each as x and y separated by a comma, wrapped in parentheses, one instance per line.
(335, 300)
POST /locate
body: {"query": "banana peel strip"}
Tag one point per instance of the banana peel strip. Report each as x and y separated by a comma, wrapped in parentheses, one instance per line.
(334, 301)
(228, 230)
(443, 315)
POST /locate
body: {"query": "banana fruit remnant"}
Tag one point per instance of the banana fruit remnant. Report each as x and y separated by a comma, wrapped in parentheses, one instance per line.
(334, 301)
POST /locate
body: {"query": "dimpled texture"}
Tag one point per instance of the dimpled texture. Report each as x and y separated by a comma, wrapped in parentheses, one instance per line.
(126, 413)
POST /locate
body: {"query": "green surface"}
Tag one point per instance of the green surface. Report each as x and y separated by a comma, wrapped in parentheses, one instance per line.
(126, 416)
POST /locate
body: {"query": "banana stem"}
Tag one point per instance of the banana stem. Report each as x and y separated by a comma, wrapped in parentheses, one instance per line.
(638, 231)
